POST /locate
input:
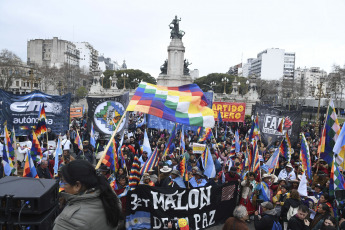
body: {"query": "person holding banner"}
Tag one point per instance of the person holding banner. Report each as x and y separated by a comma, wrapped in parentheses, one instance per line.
(197, 180)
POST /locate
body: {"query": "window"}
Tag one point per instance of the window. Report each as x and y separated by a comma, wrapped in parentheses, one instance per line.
(17, 83)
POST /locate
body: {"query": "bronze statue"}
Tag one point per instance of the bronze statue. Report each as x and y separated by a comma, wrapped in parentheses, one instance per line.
(175, 29)
(185, 67)
(164, 67)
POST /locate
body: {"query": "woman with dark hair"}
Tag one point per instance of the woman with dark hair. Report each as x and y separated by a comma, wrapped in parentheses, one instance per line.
(323, 212)
(91, 202)
(328, 223)
(293, 202)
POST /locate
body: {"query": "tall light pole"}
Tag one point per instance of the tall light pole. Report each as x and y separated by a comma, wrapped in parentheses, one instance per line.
(124, 76)
(225, 80)
(212, 85)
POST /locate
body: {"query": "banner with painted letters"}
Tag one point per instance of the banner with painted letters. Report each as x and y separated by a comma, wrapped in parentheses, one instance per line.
(21, 111)
(230, 111)
(269, 119)
(152, 207)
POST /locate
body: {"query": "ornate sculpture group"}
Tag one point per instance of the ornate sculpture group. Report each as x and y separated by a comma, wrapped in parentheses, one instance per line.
(175, 29)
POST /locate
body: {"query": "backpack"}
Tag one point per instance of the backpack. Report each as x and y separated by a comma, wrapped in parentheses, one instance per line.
(292, 211)
(276, 226)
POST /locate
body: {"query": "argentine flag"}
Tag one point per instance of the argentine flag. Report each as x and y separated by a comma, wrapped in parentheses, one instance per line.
(210, 169)
(138, 220)
(146, 147)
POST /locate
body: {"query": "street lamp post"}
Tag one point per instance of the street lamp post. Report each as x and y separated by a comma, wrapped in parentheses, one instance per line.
(136, 81)
(225, 80)
(212, 85)
(124, 76)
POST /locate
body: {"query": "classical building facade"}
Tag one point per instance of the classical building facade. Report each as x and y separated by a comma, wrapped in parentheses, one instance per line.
(52, 52)
(88, 61)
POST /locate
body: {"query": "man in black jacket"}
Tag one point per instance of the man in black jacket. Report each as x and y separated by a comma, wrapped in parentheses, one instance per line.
(268, 217)
(299, 221)
(43, 171)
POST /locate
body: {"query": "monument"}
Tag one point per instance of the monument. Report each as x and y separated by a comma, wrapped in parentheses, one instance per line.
(174, 71)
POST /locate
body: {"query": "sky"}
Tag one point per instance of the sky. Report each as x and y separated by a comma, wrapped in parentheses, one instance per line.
(219, 33)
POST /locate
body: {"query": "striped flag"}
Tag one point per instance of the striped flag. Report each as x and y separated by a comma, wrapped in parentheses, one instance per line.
(41, 124)
(255, 130)
(134, 176)
(110, 159)
(285, 147)
(233, 148)
(78, 142)
(92, 136)
(273, 161)
(36, 151)
(58, 152)
(331, 133)
(182, 143)
(255, 157)
(237, 142)
(171, 139)
(281, 126)
(29, 168)
(6, 157)
(305, 157)
(150, 162)
(210, 169)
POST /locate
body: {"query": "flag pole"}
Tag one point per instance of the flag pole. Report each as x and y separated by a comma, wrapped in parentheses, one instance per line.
(107, 147)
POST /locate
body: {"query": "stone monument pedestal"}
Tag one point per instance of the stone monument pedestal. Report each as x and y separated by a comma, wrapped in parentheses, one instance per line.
(175, 71)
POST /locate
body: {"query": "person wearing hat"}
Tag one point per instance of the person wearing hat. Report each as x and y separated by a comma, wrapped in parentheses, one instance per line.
(267, 218)
(85, 153)
(177, 181)
(263, 188)
(197, 180)
(287, 173)
(165, 179)
(294, 183)
(191, 165)
(147, 180)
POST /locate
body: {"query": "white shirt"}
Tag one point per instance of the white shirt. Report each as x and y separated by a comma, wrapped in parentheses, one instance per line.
(66, 144)
(1, 149)
(285, 175)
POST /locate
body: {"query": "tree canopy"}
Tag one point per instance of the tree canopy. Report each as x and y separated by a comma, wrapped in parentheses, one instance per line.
(205, 83)
(130, 83)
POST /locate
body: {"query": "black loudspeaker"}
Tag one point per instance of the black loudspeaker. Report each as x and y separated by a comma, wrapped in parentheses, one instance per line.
(33, 195)
(340, 194)
(44, 221)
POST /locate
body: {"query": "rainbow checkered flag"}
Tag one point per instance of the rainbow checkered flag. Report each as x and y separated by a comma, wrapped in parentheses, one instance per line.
(305, 157)
(337, 181)
(134, 176)
(330, 136)
(185, 104)
(110, 159)
(78, 142)
(36, 151)
(285, 147)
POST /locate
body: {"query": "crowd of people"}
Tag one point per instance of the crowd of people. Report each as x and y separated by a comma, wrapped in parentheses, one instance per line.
(269, 200)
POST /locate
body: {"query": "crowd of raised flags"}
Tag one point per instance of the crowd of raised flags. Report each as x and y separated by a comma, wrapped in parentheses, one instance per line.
(232, 154)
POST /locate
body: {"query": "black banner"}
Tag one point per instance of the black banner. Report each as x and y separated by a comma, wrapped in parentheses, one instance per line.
(21, 111)
(106, 112)
(269, 119)
(153, 207)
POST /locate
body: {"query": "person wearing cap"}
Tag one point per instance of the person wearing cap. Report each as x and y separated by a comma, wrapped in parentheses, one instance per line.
(287, 173)
(267, 218)
(263, 188)
(318, 191)
(177, 181)
(147, 180)
(86, 153)
(197, 180)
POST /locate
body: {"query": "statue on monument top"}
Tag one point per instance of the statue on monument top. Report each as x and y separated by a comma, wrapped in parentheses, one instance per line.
(175, 29)
(186, 63)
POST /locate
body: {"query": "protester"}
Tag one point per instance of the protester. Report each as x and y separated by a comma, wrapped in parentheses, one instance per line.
(43, 171)
(268, 217)
(299, 221)
(238, 220)
(90, 198)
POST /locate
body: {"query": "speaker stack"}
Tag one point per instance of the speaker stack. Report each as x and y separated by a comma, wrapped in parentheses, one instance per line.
(28, 203)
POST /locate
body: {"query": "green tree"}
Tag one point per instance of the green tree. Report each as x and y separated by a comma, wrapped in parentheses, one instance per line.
(130, 83)
(205, 83)
(81, 92)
